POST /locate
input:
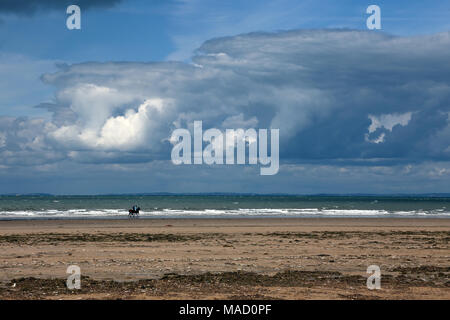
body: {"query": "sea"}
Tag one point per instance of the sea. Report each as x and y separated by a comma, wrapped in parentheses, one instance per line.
(26, 207)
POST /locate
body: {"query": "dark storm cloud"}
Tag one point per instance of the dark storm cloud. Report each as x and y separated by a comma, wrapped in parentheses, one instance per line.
(325, 85)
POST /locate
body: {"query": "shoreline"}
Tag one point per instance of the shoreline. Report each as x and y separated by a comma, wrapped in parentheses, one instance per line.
(248, 221)
(228, 217)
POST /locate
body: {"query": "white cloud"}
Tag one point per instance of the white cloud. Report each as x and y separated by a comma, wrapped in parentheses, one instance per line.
(238, 122)
(387, 121)
(133, 129)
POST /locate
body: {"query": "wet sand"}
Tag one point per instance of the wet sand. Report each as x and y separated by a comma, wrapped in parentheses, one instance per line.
(292, 258)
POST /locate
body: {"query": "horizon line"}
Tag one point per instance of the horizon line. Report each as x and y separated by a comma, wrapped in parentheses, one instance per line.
(427, 194)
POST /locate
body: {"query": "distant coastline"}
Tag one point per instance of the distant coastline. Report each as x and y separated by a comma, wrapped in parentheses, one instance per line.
(385, 195)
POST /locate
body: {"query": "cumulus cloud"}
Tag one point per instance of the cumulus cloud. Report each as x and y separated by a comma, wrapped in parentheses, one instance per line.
(326, 90)
(134, 129)
(24, 142)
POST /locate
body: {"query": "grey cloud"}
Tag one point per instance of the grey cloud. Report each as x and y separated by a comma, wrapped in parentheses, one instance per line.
(319, 87)
(23, 142)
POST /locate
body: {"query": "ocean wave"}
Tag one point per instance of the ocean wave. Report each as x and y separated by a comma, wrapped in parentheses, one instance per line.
(308, 212)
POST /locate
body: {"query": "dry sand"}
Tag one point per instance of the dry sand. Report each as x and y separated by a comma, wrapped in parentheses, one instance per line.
(225, 258)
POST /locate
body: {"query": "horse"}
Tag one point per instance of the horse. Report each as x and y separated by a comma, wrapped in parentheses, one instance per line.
(133, 213)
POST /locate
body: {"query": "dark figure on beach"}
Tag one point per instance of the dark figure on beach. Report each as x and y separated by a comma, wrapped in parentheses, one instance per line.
(134, 213)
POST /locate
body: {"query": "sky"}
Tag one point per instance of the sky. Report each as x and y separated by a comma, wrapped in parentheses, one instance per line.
(91, 111)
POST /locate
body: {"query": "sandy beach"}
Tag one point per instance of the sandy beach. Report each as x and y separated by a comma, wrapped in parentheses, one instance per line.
(271, 258)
